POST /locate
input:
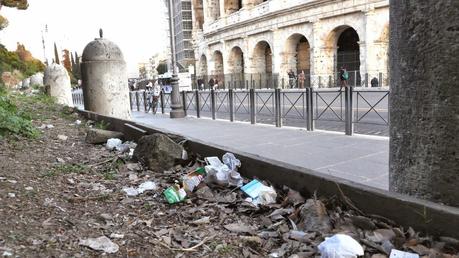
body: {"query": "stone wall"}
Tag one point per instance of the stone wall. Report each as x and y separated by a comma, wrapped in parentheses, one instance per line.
(282, 23)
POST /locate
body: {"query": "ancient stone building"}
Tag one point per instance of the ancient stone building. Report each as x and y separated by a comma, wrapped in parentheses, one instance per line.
(246, 38)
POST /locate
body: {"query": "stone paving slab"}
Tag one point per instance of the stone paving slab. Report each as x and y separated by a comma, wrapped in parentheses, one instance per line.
(359, 158)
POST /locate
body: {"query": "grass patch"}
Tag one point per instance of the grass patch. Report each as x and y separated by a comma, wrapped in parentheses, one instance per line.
(102, 125)
(66, 169)
(13, 121)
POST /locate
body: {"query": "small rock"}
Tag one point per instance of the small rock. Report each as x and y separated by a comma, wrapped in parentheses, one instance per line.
(11, 195)
(116, 236)
(7, 254)
(363, 222)
(29, 188)
(12, 181)
(201, 221)
(133, 166)
(102, 243)
(239, 228)
(62, 137)
(158, 152)
(313, 217)
(106, 216)
(60, 160)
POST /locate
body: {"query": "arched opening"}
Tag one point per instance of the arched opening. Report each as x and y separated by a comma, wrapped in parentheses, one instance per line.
(202, 66)
(218, 71)
(232, 6)
(213, 9)
(348, 50)
(262, 58)
(202, 71)
(262, 65)
(236, 67)
(198, 13)
(296, 57)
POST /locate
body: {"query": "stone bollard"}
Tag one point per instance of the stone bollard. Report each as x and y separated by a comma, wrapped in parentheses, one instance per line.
(105, 80)
(57, 83)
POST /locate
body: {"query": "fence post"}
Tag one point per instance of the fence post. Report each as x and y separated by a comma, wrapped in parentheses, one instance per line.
(184, 102)
(231, 104)
(348, 111)
(130, 100)
(381, 80)
(145, 101)
(310, 108)
(212, 103)
(278, 109)
(198, 106)
(161, 95)
(252, 105)
(355, 78)
(366, 80)
(137, 100)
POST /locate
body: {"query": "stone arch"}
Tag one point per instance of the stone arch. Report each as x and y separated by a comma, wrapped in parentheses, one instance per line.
(203, 66)
(232, 6)
(262, 62)
(213, 10)
(218, 68)
(236, 61)
(344, 41)
(296, 55)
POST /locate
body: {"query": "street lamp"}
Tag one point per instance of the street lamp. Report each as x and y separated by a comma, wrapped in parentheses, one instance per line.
(176, 105)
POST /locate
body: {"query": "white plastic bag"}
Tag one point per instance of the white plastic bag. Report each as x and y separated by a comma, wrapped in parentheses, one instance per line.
(113, 143)
(230, 160)
(340, 246)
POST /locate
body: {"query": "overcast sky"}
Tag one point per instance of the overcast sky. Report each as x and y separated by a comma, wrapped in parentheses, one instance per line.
(138, 27)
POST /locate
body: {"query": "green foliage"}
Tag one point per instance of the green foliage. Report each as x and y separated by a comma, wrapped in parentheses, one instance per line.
(3, 22)
(102, 125)
(10, 61)
(13, 121)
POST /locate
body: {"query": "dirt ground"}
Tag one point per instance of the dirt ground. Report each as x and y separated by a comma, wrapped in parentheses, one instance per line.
(58, 190)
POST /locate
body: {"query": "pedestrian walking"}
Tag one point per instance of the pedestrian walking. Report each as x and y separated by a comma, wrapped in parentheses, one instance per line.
(211, 83)
(374, 82)
(343, 77)
(301, 78)
(291, 78)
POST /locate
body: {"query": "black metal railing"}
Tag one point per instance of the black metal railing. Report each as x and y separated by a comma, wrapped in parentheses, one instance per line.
(350, 110)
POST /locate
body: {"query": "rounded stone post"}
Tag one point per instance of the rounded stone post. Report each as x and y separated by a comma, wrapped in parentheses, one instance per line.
(424, 107)
(105, 80)
(37, 79)
(57, 83)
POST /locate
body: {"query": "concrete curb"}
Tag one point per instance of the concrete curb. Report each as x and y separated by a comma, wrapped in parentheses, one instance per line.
(428, 217)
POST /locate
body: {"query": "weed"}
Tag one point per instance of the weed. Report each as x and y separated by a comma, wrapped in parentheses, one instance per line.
(66, 169)
(102, 125)
(110, 175)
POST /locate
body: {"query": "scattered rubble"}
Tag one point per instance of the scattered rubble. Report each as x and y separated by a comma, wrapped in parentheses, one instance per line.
(194, 208)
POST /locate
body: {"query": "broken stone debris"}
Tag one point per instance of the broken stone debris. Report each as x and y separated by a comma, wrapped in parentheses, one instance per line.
(97, 136)
(102, 243)
(158, 152)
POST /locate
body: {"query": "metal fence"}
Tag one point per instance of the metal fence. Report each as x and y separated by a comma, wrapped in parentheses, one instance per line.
(361, 110)
(249, 81)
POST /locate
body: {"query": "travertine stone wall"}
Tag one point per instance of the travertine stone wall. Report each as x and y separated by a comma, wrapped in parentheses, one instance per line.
(280, 23)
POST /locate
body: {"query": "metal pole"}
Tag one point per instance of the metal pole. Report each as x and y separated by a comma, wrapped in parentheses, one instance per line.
(348, 111)
(198, 106)
(162, 101)
(145, 101)
(253, 106)
(184, 101)
(212, 103)
(176, 106)
(231, 104)
(277, 103)
(137, 100)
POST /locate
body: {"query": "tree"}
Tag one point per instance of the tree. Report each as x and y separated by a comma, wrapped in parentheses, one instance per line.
(18, 4)
(56, 55)
(161, 68)
(66, 61)
(23, 53)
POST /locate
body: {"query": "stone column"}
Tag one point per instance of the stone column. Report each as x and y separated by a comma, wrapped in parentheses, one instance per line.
(373, 50)
(57, 83)
(424, 107)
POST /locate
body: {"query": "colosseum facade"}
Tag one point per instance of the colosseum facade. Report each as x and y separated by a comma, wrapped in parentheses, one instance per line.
(250, 41)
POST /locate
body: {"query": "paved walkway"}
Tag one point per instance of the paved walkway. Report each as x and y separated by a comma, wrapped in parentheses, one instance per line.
(359, 158)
